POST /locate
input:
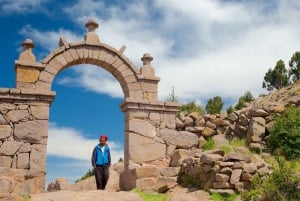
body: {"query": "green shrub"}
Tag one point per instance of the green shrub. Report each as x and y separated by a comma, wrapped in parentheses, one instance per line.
(281, 185)
(209, 145)
(192, 107)
(222, 196)
(238, 142)
(285, 133)
(150, 196)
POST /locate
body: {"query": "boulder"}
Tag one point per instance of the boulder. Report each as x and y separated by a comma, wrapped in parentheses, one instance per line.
(181, 139)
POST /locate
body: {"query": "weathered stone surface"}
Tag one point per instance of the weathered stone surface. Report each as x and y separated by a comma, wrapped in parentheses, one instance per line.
(5, 161)
(169, 120)
(143, 149)
(178, 156)
(5, 131)
(6, 185)
(215, 151)
(256, 129)
(27, 75)
(235, 176)
(179, 123)
(211, 125)
(59, 184)
(9, 148)
(7, 106)
(25, 148)
(38, 157)
(40, 112)
(259, 113)
(220, 122)
(188, 121)
(237, 157)
(170, 171)
(17, 115)
(146, 184)
(221, 184)
(169, 182)
(221, 177)
(31, 131)
(207, 132)
(249, 168)
(23, 161)
(210, 158)
(220, 140)
(226, 170)
(233, 117)
(181, 139)
(148, 171)
(2, 120)
(142, 127)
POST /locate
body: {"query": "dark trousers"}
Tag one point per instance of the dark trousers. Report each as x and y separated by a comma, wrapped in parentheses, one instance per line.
(101, 175)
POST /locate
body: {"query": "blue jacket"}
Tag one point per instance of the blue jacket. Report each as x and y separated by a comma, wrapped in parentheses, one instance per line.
(99, 158)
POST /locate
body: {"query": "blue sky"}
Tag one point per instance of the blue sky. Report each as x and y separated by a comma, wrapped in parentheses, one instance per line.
(203, 48)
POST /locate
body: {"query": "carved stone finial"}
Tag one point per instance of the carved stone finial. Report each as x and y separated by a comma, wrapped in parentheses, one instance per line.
(147, 58)
(27, 53)
(91, 37)
(147, 69)
(28, 43)
(91, 25)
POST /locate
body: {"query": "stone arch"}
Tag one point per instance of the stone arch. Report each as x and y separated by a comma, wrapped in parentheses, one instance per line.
(28, 106)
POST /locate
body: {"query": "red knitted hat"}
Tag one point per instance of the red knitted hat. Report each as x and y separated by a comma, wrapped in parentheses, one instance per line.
(103, 137)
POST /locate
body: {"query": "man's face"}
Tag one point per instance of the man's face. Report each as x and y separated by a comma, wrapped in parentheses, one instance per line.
(102, 142)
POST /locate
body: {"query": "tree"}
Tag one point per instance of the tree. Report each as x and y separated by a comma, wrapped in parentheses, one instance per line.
(192, 107)
(172, 97)
(294, 71)
(276, 78)
(215, 105)
(246, 98)
(230, 110)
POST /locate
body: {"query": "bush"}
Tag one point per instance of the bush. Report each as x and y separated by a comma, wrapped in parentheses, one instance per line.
(192, 107)
(209, 144)
(281, 185)
(222, 196)
(285, 133)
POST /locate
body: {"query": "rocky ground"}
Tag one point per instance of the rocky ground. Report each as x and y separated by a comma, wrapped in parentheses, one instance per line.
(176, 194)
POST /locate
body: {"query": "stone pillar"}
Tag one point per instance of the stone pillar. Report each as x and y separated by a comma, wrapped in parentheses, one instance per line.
(143, 144)
(27, 69)
(24, 119)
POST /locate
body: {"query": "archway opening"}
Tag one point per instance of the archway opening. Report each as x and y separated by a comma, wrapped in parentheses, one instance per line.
(86, 105)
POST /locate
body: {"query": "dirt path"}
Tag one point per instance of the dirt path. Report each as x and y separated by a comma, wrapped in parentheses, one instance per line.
(177, 194)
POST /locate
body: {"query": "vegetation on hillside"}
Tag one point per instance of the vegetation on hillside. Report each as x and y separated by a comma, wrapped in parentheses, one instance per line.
(87, 175)
(281, 185)
(285, 133)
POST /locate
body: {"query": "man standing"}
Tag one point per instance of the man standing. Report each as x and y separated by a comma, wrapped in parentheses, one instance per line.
(101, 161)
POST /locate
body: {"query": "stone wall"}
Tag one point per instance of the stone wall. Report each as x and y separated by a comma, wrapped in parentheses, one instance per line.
(23, 141)
(214, 169)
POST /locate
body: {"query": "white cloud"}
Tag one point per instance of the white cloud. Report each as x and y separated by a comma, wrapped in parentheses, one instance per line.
(71, 143)
(20, 6)
(48, 40)
(95, 79)
(202, 48)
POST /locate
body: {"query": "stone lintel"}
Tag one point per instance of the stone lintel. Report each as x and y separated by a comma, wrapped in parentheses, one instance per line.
(4, 90)
(129, 104)
(37, 92)
(148, 78)
(28, 64)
